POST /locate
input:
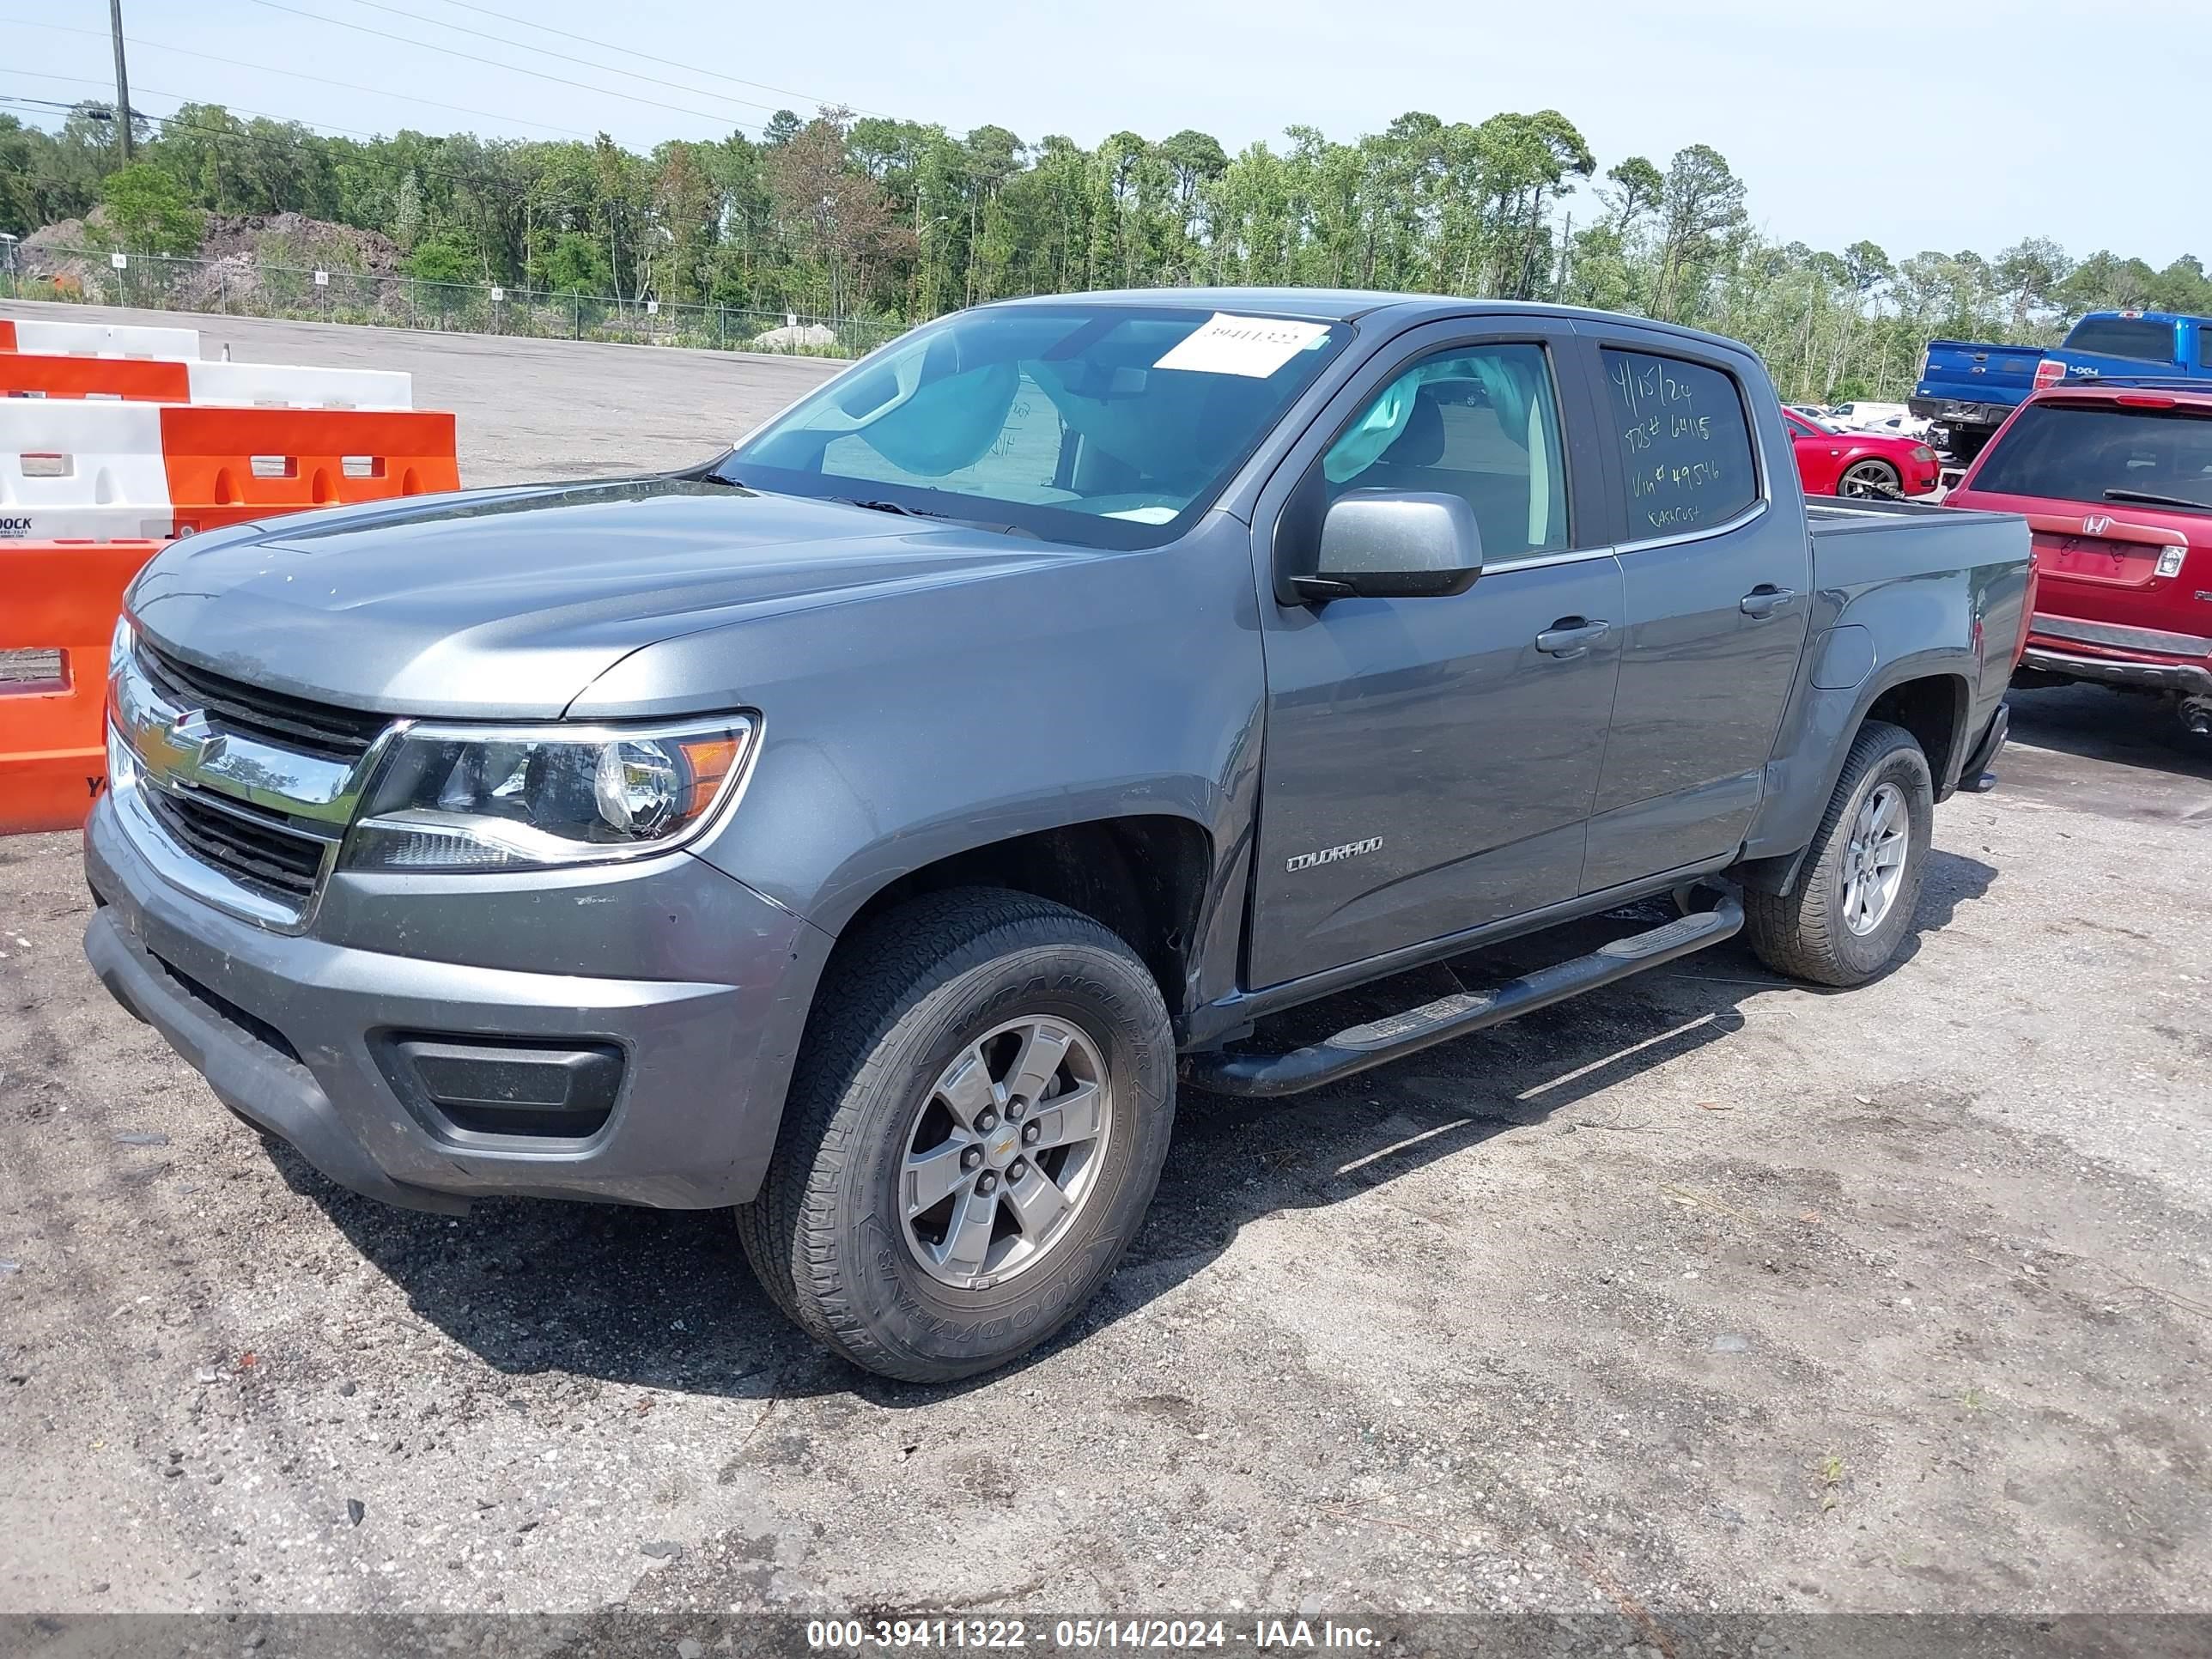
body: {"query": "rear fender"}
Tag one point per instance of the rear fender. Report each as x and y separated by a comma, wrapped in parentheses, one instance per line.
(1800, 784)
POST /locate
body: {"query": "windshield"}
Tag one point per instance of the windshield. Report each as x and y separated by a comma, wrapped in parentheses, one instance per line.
(2124, 337)
(2091, 453)
(1106, 426)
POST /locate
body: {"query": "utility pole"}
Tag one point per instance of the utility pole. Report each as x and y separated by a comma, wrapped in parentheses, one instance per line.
(122, 79)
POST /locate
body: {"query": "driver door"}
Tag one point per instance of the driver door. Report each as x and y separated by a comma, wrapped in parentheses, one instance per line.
(1431, 763)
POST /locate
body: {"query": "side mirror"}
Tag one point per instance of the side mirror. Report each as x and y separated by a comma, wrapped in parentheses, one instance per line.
(1394, 544)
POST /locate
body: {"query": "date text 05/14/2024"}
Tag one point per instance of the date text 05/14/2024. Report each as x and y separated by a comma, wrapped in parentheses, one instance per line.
(1259, 1634)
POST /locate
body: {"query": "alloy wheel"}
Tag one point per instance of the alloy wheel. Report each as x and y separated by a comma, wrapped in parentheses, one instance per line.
(1005, 1151)
(1874, 862)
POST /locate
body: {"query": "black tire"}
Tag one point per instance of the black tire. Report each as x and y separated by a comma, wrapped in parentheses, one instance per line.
(1804, 934)
(903, 997)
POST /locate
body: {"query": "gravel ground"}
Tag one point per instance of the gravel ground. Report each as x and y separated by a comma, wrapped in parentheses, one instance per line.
(1707, 1293)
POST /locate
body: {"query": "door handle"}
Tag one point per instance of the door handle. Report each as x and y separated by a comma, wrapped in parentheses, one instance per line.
(1570, 637)
(1763, 600)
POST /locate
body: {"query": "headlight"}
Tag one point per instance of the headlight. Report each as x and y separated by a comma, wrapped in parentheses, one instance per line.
(476, 798)
(118, 644)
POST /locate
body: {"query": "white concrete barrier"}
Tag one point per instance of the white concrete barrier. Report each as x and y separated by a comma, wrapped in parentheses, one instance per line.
(82, 471)
(283, 386)
(98, 339)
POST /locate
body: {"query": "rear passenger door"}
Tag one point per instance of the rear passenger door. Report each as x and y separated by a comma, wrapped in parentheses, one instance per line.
(1717, 599)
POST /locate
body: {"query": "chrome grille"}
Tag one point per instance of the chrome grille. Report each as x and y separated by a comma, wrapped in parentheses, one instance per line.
(250, 845)
(234, 792)
(321, 729)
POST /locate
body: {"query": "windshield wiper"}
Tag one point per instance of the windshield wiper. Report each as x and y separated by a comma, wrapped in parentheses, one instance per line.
(708, 472)
(946, 518)
(2150, 498)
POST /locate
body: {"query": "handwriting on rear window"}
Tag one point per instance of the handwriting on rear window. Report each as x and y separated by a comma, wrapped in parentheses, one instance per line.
(1686, 448)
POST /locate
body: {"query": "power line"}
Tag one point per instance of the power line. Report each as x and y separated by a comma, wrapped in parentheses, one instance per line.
(632, 51)
(512, 69)
(136, 113)
(566, 58)
(297, 75)
(107, 109)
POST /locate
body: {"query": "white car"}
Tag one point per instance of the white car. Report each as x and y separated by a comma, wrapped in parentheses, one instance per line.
(1893, 419)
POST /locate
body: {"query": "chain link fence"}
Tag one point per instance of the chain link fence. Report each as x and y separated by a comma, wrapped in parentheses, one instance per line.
(239, 288)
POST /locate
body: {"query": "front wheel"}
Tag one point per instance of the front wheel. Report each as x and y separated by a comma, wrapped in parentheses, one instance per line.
(1871, 480)
(1857, 892)
(972, 1136)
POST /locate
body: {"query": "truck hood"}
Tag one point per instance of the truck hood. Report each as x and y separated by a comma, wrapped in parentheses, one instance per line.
(507, 604)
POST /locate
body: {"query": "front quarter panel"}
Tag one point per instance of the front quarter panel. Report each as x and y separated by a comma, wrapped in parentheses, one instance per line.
(901, 730)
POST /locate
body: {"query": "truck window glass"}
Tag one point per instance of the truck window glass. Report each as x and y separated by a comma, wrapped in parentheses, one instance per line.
(1106, 426)
(1482, 424)
(2076, 452)
(1684, 443)
(2137, 337)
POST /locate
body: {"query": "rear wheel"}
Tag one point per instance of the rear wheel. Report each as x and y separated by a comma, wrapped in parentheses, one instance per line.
(1871, 478)
(972, 1136)
(1859, 886)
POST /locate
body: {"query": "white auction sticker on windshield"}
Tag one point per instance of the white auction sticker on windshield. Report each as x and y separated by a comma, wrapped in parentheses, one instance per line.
(1257, 346)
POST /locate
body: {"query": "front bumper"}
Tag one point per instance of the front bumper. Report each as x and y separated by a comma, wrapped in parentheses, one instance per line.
(288, 1030)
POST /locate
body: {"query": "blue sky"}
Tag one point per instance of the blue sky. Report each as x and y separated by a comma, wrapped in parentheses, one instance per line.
(1959, 125)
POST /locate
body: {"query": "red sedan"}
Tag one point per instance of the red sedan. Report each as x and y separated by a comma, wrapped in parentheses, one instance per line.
(1832, 462)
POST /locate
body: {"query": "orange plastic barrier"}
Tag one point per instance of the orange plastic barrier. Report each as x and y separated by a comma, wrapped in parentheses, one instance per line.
(229, 465)
(137, 380)
(6, 335)
(61, 595)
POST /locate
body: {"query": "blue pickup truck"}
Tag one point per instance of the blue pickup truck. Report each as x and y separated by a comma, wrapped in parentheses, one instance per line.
(1970, 389)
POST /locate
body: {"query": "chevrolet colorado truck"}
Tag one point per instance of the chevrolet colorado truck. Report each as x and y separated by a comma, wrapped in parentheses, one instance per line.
(868, 828)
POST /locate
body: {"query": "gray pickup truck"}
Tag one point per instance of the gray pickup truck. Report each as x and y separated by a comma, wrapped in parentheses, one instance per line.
(866, 828)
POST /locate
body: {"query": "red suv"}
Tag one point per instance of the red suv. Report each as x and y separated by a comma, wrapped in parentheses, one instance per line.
(2116, 479)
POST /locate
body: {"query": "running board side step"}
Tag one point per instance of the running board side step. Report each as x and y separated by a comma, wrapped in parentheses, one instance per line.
(1262, 1077)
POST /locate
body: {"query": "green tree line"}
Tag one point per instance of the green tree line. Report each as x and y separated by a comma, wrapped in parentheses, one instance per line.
(904, 220)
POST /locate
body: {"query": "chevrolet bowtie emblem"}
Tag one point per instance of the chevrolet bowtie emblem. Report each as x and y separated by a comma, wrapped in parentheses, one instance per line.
(190, 735)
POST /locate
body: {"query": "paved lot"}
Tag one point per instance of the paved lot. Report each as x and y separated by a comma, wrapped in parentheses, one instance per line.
(1706, 1292)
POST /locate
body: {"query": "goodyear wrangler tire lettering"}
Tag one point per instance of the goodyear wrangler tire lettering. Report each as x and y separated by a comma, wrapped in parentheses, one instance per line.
(919, 1010)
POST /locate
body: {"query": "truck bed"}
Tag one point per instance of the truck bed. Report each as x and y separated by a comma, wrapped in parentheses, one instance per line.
(1976, 372)
(1859, 544)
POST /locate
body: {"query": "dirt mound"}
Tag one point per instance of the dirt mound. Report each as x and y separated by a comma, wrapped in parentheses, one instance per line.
(62, 234)
(48, 254)
(243, 260)
(295, 239)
